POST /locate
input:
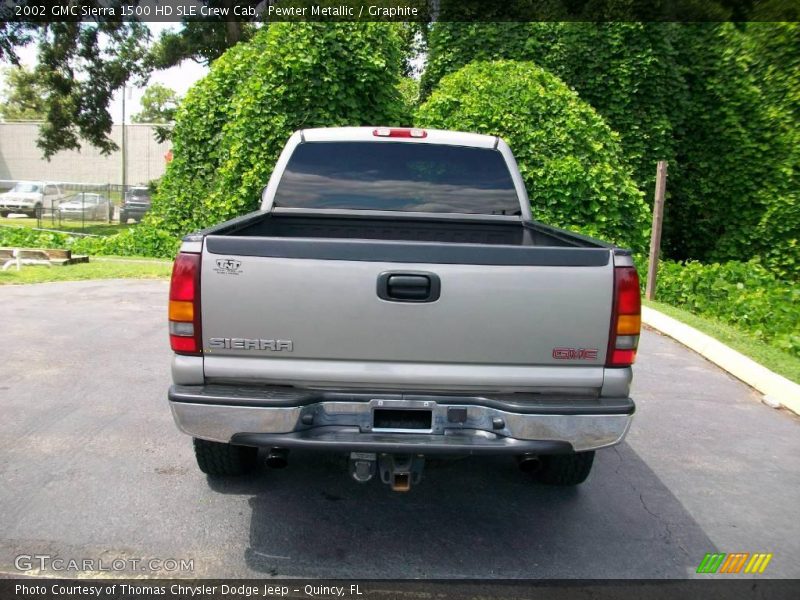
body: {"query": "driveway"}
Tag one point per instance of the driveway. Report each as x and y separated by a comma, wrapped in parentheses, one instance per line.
(93, 468)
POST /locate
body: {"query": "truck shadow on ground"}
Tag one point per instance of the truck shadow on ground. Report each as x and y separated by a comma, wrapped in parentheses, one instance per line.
(468, 518)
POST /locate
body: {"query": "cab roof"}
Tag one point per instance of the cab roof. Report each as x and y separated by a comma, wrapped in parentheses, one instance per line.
(399, 134)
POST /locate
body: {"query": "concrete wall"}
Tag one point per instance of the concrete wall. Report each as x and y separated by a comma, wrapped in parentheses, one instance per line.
(20, 158)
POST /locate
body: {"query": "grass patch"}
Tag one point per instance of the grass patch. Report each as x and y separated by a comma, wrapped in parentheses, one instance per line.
(776, 360)
(72, 225)
(95, 269)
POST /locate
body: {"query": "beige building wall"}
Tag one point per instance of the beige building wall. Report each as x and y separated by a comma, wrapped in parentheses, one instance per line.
(20, 158)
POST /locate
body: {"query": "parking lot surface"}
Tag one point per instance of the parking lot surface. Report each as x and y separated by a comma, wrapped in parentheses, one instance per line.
(93, 468)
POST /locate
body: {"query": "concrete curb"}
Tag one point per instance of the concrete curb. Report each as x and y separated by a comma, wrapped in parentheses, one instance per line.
(777, 390)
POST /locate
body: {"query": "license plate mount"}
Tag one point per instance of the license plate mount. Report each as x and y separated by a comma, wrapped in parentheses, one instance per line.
(406, 420)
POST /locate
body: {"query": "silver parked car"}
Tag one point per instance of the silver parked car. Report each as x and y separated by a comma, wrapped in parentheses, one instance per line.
(86, 206)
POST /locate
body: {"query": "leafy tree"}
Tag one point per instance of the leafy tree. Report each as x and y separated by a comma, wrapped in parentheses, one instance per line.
(777, 236)
(409, 91)
(76, 108)
(78, 92)
(626, 71)
(414, 42)
(202, 41)
(12, 36)
(81, 65)
(730, 152)
(23, 98)
(717, 100)
(197, 140)
(159, 104)
(571, 161)
(232, 124)
(775, 50)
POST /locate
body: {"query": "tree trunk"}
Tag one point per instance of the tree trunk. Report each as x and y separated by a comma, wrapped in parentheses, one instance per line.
(233, 29)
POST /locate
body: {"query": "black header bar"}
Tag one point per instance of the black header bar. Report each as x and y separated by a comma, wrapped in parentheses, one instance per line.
(52, 11)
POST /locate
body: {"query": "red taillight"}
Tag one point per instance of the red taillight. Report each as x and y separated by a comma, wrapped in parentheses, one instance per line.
(184, 305)
(626, 318)
(399, 133)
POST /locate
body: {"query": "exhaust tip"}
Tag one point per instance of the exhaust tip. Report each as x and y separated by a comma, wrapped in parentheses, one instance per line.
(278, 458)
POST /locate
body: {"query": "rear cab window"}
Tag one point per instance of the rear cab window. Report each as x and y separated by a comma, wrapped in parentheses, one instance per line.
(399, 176)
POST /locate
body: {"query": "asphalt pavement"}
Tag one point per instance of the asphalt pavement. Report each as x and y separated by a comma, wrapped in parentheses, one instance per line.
(93, 468)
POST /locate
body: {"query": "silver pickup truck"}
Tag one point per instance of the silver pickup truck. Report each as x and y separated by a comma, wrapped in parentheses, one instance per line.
(394, 299)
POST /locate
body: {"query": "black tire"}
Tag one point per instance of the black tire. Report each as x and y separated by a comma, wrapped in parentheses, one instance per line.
(122, 218)
(37, 211)
(4, 214)
(218, 459)
(565, 469)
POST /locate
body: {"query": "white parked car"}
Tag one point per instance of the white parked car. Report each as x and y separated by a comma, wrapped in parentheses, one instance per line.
(30, 198)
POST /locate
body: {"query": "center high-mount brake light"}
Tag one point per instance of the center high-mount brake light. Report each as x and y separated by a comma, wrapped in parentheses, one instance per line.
(399, 132)
(184, 305)
(626, 318)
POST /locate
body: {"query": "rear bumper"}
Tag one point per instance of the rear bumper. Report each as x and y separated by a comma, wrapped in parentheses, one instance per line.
(343, 421)
(134, 211)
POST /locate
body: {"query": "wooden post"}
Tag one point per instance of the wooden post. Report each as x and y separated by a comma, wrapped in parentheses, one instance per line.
(655, 237)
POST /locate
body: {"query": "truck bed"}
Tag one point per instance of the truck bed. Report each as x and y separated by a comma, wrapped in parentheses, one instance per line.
(402, 238)
(400, 227)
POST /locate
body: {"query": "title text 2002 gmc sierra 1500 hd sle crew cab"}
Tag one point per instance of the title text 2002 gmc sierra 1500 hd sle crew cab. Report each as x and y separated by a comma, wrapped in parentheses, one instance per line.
(393, 299)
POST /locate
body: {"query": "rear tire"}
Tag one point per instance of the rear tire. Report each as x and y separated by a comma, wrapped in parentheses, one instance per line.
(565, 469)
(217, 459)
(4, 214)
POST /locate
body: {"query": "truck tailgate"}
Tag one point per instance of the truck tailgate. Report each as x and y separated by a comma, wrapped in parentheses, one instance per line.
(538, 324)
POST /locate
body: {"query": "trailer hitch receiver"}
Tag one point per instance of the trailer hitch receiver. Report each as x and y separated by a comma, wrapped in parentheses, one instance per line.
(400, 471)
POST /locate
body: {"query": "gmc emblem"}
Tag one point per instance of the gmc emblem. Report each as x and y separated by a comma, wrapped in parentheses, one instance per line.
(228, 264)
(575, 353)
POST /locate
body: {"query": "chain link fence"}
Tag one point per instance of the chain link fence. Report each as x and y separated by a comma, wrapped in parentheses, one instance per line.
(84, 208)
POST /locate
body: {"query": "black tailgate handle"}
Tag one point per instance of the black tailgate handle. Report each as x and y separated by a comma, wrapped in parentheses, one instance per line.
(408, 286)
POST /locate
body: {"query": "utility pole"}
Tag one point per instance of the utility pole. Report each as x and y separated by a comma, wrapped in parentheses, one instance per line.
(124, 145)
(655, 236)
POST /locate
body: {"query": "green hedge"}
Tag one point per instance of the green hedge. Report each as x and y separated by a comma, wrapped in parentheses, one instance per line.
(24, 237)
(626, 71)
(745, 295)
(136, 241)
(778, 236)
(570, 160)
(718, 100)
(196, 141)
